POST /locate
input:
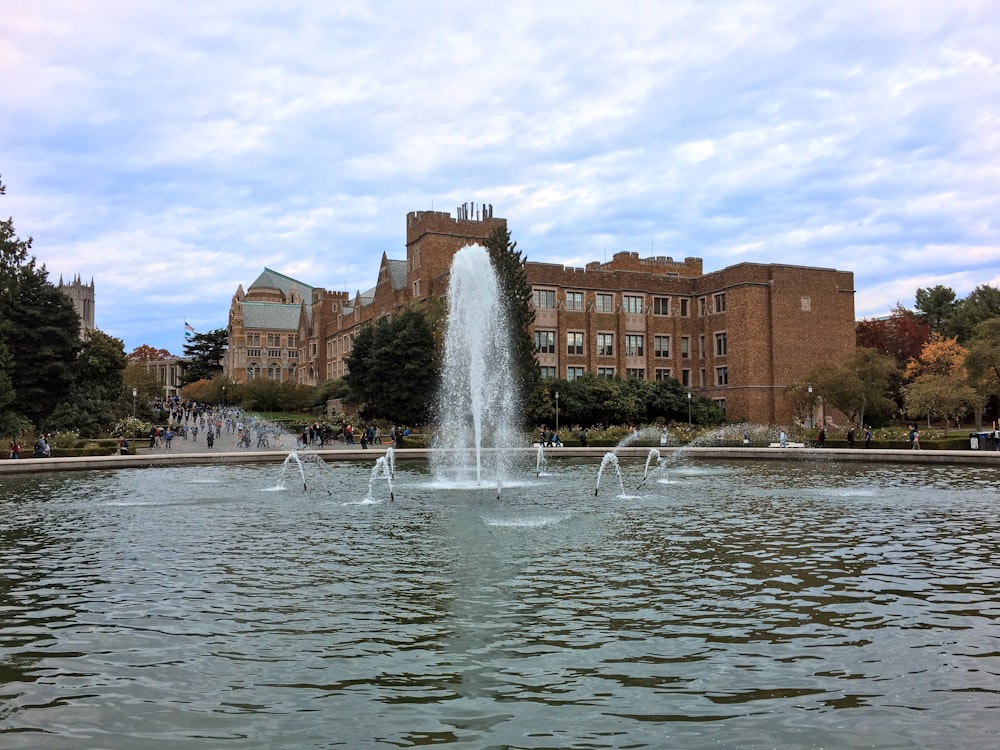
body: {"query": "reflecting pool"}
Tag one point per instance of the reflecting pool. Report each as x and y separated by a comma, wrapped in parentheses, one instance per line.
(720, 604)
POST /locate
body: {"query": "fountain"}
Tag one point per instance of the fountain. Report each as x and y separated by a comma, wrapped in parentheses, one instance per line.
(478, 406)
(788, 603)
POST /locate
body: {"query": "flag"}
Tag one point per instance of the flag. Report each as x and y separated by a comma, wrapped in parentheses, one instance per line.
(188, 330)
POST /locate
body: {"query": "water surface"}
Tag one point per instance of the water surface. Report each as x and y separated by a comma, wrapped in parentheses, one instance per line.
(735, 604)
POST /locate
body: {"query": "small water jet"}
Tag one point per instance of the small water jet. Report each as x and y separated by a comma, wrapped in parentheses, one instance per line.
(653, 454)
(610, 459)
(298, 462)
(381, 468)
(540, 461)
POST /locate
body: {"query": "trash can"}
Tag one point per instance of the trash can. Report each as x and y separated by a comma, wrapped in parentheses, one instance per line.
(984, 441)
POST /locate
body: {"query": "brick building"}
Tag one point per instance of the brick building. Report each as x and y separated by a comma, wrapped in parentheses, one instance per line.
(738, 335)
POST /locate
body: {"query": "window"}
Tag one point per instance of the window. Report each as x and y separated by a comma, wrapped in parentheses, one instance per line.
(701, 377)
(544, 298)
(274, 372)
(572, 373)
(685, 347)
(292, 338)
(702, 306)
(274, 353)
(632, 304)
(605, 345)
(545, 342)
(416, 288)
(661, 346)
(635, 372)
(685, 311)
(721, 345)
(720, 302)
(273, 340)
(633, 345)
(605, 303)
(253, 339)
(701, 346)
(662, 373)
(547, 373)
(574, 342)
(292, 354)
(605, 372)
(686, 378)
(574, 300)
(721, 403)
(253, 371)
(722, 376)
(661, 305)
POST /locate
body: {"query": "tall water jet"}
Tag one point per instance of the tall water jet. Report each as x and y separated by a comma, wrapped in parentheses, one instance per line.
(478, 403)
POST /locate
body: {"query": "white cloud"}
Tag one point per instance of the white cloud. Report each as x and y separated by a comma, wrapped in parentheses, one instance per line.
(219, 138)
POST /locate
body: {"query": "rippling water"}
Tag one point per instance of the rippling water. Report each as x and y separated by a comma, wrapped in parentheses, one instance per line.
(739, 604)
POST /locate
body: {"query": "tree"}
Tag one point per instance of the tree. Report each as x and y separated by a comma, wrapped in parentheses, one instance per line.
(902, 335)
(982, 362)
(859, 387)
(43, 339)
(937, 305)
(392, 368)
(983, 303)
(939, 384)
(203, 355)
(516, 292)
(147, 353)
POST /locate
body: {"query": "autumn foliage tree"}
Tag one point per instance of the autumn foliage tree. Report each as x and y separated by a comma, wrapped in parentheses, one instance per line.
(147, 353)
(938, 382)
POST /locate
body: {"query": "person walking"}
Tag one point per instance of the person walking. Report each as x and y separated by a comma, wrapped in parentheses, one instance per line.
(15, 448)
(915, 438)
(868, 436)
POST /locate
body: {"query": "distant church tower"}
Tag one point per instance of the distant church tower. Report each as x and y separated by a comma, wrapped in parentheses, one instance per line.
(82, 297)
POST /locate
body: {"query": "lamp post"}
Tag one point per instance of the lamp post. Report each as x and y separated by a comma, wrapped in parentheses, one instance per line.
(223, 395)
(135, 392)
(812, 420)
(689, 408)
(557, 411)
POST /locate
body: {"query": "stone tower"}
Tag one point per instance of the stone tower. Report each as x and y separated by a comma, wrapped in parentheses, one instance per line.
(82, 297)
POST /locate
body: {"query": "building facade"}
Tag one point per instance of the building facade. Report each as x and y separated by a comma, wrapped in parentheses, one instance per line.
(738, 336)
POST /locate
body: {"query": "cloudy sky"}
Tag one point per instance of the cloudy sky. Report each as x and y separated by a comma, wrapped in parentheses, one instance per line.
(172, 150)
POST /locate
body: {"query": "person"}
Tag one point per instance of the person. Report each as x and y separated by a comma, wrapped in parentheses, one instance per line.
(868, 436)
(41, 448)
(583, 437)
(209, 438)
(916, 438)
(153, 432)
(123, 446)
(783, 439)
(821, 438)
(850, 436)
(15, 448)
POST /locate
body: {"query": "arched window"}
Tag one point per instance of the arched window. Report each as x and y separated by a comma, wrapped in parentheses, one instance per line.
(253, 372)
(274, 373)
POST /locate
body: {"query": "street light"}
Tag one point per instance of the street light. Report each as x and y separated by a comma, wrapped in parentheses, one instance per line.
(812, 420)
(223, 395)
(135, 393)
(557, 411)
(689, 408)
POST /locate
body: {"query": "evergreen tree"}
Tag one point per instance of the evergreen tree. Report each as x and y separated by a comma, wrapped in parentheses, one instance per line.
(391, 368)
(516, 291)
(203, 354)
(43, 339)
